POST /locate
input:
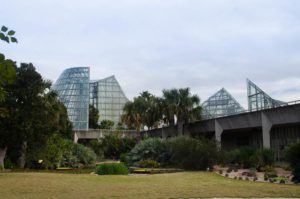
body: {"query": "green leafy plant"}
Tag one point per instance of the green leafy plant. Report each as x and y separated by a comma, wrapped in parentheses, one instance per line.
(124, 158)
(112, 169)
(193, 154)
(241, 156)
(293, 158)
(262, 158)
(149, 164)
(7, 35)
(150, 149)
(113, 146)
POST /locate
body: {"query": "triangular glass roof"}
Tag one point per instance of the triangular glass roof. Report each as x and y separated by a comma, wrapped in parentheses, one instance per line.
(221, 104)
(258, 99)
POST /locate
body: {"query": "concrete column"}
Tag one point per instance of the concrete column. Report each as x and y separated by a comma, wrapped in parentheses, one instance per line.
(218, 132)
(75, 138)
(266, 130)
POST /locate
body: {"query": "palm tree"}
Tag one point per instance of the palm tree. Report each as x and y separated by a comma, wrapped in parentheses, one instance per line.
(180, 104)
(131, 116)
(144, 110)
(151, 113)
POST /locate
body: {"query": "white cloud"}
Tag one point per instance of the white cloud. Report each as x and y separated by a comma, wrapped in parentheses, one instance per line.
(152, 44)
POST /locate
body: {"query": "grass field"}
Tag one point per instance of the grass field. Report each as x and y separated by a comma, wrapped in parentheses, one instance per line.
(35, 185)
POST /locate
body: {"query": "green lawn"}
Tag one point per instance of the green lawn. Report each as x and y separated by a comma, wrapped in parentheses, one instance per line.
(186, 184)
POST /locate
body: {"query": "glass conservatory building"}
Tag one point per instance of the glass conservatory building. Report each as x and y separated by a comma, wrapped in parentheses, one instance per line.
(221, 104)
(108, 97)
(72, 87)
(76, 91)
(258, 99)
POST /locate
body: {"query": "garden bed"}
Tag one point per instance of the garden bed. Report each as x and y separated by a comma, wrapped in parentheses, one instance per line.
(154, 170)
(279, 175)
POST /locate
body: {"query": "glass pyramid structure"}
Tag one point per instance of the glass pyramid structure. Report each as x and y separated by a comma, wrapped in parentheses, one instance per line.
(221, 104)
(258, 99)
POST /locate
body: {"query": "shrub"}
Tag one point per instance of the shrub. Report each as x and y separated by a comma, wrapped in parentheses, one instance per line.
(85, 155)
(226, 175)
(267, 168)
(220, 172)
(272, 174)
(150, 149)
(113, 146)
(193, 154)
(124, 158)
(97, 148)
(293, 157)
(282, 181)
(265, 177)
(8, 164)
(76, 155)
(229, 170)
(240, 157)
(262, 158)
(149, 164)
(112, 169)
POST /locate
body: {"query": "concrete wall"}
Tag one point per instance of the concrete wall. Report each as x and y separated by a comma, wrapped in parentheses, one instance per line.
(100, 133)
(265, 128)
(272, 128)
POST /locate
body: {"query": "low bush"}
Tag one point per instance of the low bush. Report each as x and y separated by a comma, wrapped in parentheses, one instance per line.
(85, 155)
(282, 181)
(97, 148)
(193, 154)
(267, 168)
(229, 170)
(124, 158)
(112, 169)
(262, 158)
(247, 157)
(150, 149)
(241, 157)
(293, 157)
(272, 174)
(149, 164)
(8, 164)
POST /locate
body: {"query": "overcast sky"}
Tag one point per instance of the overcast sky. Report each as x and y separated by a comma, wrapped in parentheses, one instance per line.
(161, 44)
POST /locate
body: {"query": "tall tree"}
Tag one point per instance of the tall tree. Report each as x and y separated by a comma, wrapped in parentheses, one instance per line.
(7, 66)
(93, 117)
(182, 105)
(131, 115)
(151, 113)
(106, 124)
(34, 113)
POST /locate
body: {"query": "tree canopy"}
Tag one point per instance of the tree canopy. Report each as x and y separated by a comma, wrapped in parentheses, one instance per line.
(93, 117)
(149, 110)
(33, 113)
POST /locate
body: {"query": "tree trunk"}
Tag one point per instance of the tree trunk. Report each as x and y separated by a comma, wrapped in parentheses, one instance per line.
(180, 127)
(22, 159)
(2, 156)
